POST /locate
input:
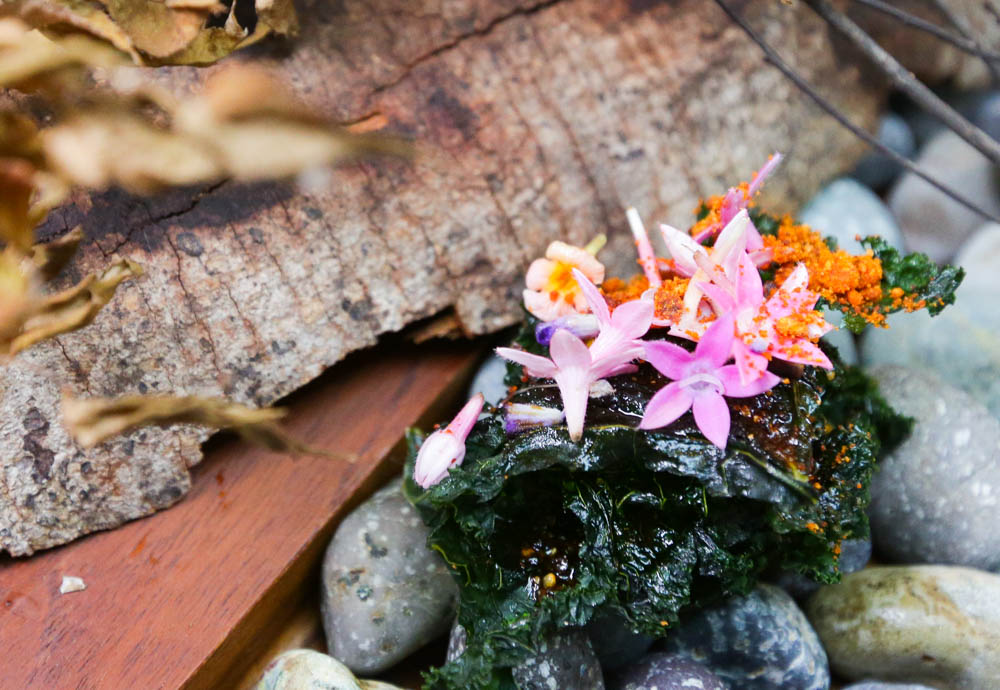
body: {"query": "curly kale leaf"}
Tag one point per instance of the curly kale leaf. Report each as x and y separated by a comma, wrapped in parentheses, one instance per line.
(540, 532)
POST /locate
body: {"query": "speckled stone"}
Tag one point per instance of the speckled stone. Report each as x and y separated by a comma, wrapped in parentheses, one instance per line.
(307, 669)
(935, 497)
(758, 642)
(661, 671)
(613, 640)
(488, 380)
(854, 555)
(962, 344)
(385, 594)
(456, 642)
(876, 169)
(931, 221)
(937, 625)
(879, 685)
(844, 209)
(565, 661)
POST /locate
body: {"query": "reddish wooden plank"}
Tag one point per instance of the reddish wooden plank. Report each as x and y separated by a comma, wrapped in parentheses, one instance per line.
(185, 597)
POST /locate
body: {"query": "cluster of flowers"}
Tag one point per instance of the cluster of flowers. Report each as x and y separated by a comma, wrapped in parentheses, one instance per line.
(723, 308)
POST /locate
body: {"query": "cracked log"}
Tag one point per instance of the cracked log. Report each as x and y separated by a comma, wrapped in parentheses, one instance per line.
(537, 121)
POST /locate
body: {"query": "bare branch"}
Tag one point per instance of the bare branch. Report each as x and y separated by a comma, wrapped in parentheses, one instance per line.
(959, 41)
(832, 110)
(906, 82)
(963, 28)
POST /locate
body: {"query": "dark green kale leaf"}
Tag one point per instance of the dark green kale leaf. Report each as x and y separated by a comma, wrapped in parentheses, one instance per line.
(540, 532)
(920, 279)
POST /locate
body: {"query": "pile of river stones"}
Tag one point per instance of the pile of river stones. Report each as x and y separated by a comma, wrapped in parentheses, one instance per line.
(927, 617)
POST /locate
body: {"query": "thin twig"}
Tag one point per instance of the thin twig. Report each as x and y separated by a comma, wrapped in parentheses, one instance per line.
(832, 111)
(959, 41)
(963, 28)
(906, 82)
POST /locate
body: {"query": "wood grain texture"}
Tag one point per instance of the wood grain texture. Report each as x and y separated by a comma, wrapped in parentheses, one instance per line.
(535, 121)
(192, 596)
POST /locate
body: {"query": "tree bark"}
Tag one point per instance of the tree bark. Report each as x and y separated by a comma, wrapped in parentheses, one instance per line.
(535, 121)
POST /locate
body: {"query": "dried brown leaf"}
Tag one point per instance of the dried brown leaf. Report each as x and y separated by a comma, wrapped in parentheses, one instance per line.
(95, 420)
(158, 32)
(18, 295)
(16, 189)
(51, 258)
(31, 62)
(74, 308)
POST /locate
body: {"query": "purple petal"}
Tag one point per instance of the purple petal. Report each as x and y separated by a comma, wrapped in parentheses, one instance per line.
(732, 381)
(669, 359)
(717, 342)
(634, 318)
(569, 352)
(536, 366)
(749, 363)
(711, 414)
(669, 403)
(580, 325)
(594, 298)
(801, 352)
(616, 362)
(521, 416)
(720, 298)
(749, 288)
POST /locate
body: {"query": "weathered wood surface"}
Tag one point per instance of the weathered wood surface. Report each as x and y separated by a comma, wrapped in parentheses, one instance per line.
(537, 121)
(192, 597)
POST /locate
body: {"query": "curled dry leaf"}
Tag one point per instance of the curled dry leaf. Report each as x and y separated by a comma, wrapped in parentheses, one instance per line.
(71, 309)
(245, 126)
(31, 62)
(158, 32)
(50, 258)
(94, 420)
(18, 296)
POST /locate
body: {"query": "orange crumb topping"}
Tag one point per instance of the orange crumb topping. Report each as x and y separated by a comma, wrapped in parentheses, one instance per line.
(668, 301)
(839, 277)
(616, 291)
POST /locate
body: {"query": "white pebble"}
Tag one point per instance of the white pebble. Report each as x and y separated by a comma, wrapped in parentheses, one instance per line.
(72, 584)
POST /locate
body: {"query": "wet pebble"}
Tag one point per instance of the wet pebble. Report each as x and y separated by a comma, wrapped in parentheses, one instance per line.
(306, 668)
(935, 497)
(564, 661)
(931, 221)
(876, 169)
(937, 625)
(666, 672)
(758, 642)
(488, 380)
(614, 641)
(846, 209)
(385, 594)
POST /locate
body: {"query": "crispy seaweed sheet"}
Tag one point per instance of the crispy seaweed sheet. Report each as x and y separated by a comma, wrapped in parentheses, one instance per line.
(540, 532)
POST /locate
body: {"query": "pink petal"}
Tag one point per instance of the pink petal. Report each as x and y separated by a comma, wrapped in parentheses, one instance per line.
(612, 364)
(541, 306)
(595, 299)
(711, 414)
(758, 180)
(749, 363)
(732, 242)
(439, 452)
(569, 352)
(732, 381)
(793, 295)
(538, 273)
(670, 360)
(716, 343)
(722, 301)
(749, 288)
(574, 386)
(647, 257)
(466, 418)
(669, 403)
(633, 318)
(682, 248)
(536, 366)
(801, 351)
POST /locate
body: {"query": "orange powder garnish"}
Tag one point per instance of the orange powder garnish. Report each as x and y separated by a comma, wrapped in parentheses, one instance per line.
(839, 277)
(617, 291)
(669, 299)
